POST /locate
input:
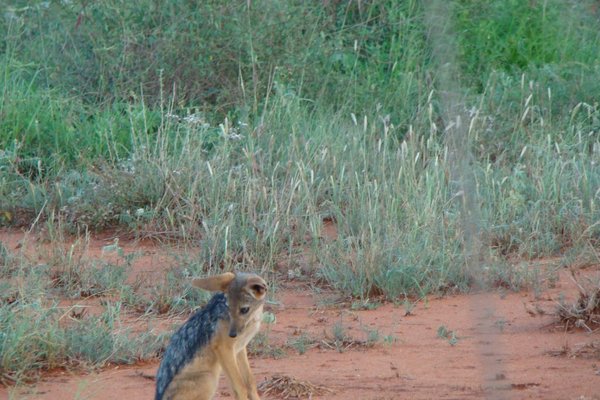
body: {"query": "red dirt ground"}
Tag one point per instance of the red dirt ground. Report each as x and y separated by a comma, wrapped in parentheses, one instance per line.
(508, 347)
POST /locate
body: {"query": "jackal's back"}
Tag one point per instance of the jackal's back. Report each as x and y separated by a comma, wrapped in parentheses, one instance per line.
(192, 336)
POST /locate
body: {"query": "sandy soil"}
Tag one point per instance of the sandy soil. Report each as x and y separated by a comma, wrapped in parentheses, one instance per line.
(500, 345)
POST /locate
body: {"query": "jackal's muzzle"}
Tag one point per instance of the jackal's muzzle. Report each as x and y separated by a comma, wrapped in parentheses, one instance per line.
(232, 329)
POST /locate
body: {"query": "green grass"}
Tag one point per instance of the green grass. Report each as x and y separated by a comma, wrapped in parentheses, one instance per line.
(515, 36)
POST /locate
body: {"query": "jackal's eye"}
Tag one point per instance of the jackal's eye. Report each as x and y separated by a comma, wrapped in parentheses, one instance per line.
(244, 310)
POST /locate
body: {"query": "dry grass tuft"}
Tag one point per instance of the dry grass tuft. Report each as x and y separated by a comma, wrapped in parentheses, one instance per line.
(589, 351)
(291, 388)
(585, 312)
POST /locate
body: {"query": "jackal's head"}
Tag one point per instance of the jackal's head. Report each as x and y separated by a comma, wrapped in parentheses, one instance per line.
(245, 295)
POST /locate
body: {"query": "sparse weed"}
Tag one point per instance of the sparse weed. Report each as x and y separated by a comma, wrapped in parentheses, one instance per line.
(450, 335)
(261, 346)
(581, 256)
(373, 336)
(8, 264)
(442, 331)
(389, 339)
(500, 324)
(301, 343)
(339, 338)
(338, 331)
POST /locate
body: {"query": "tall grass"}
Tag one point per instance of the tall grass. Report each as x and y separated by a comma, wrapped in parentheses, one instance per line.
(246, 126)
(251, 200)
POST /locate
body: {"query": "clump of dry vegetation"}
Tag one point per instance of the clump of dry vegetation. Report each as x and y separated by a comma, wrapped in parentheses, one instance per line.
(288, 387)
(585, 311)
(589, 350)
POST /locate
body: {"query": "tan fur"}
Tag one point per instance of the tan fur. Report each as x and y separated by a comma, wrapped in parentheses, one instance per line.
(199, 379)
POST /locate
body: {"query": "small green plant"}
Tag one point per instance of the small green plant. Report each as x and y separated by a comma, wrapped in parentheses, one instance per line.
(301, 343)
(442, 332)
(500, 324)
(339, 339)
(373, 336)
(453, 339)
(449, 335)
(338, 331)
(389, 339)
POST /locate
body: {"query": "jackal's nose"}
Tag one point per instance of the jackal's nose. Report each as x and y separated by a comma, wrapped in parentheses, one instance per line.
(232, 329)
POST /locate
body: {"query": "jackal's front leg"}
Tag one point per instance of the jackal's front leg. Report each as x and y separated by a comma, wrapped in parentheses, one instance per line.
(230, 365)
(246, 373)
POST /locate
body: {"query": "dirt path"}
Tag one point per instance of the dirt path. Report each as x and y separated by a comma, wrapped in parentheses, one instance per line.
(409, 359)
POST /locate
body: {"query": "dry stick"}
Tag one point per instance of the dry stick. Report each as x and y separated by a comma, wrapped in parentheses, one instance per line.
(37, 218)
(438, 18)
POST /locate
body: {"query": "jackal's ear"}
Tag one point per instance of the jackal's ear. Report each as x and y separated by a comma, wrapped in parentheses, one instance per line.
(217, 283)
(257, 287)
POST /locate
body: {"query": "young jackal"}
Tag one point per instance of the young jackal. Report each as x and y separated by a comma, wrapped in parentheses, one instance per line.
(215, 338)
